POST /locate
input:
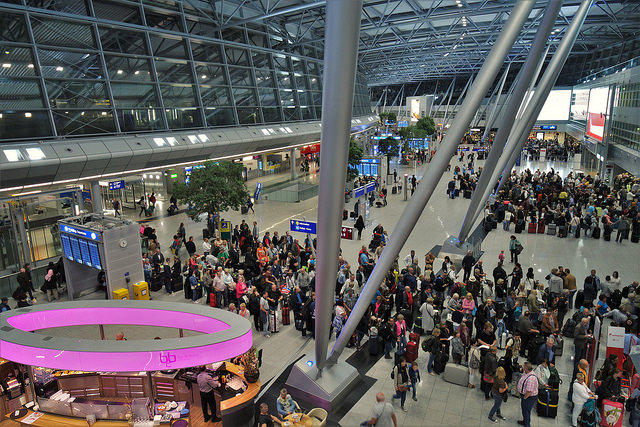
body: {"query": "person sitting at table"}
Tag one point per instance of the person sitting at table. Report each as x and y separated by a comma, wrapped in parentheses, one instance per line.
(265, 419)
(285, 404)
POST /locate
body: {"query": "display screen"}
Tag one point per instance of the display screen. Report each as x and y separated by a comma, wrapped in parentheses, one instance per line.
(75, 248)
(95, 256)
(66, 247)
(599, 101)
(579, 104)
(84, 249)
(557, 105)
(595, 126)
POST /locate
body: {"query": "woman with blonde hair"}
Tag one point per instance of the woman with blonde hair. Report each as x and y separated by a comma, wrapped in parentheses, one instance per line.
(499, 391)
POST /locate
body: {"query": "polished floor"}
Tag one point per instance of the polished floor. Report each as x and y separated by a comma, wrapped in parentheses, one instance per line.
(439, 403)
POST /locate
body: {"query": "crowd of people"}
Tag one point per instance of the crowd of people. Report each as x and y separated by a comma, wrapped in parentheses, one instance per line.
(554, 150)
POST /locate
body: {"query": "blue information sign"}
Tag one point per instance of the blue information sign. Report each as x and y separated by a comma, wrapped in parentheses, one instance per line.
(370, 187)
(548, 127)
(303, 226)
(256, 193)
(92, 235)
(66, 247)
(403, 124)
(75, 248)
(358, 192)
(95, 255)
(116, 185)
(84, 250)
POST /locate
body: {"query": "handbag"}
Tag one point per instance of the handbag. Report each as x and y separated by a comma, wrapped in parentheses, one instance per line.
(487, 378)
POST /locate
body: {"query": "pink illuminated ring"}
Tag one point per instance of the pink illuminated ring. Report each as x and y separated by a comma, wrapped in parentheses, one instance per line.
(223, 335)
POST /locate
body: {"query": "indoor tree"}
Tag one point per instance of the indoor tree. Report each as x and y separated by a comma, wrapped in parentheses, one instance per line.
(213, 187)
(355, 156)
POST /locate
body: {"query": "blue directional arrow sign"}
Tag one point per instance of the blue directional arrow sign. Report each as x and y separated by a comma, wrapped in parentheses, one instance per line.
(303, 226)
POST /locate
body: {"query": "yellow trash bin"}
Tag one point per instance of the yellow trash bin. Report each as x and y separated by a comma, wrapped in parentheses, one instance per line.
(121, 293)
(141, 290)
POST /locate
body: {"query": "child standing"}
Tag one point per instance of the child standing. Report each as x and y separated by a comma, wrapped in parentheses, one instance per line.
(414, 377)
(457, 349)
(501, 256)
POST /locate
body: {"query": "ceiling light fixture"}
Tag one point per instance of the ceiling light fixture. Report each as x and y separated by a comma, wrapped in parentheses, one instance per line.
(59, 69)
(6, 65)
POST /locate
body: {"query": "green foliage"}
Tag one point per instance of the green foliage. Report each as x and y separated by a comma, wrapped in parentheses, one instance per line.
(216, 187)
(427, 124)
(389, 115)
(412, 132)
(388, 147)
(355, 155)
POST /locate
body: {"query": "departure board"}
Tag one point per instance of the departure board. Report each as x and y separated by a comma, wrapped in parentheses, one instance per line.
(75, 248)
(66, 247)
(84, 249)
(95, 256)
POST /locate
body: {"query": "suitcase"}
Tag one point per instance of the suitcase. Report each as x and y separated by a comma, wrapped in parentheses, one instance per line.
(635, 237)
(456, 374)
(285, 316)
(205, 233)
(412, 351)
(456, 192)
(541, 227)
(551, 229)
(394, 190)
(176, 284)
(345, 215)
(515, 378)
(562, 231)
(157, 281)
(414, 337)
(519, 227)
(273, 321)
(606, 235)
(243, 210)
(417, 326)
(612, 413)
(440, 362)
(547, 404)
(559, 345)
(457, 316)
(596, 233)
(299, 321)
(467, 194)
(374, 346)
(187, 289)
(212, 300)
(532, 228)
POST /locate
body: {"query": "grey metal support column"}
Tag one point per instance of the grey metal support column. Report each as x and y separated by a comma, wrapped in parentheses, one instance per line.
(492, 115)
(96, 197)
(292, 160)
(544, 87)
(509, 147)
(525, 75)
(340, 55)
(434, 170)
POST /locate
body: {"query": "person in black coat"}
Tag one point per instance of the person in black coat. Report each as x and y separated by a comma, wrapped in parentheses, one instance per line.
(359, 225)
(190, 246)
(168, 277)
(610, 388)
(467, 264)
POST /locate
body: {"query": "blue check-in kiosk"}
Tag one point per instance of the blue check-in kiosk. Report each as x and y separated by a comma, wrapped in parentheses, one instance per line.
(92, 243)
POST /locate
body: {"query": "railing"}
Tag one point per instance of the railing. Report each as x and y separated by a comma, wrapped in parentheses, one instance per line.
(9, 282)
(633, 62)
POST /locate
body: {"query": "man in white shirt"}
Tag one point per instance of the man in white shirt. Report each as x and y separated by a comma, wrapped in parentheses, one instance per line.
(382, 414)
(411, 259)
(352, 283)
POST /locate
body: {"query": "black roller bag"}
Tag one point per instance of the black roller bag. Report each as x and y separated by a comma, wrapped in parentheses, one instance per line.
(547, 403)
(596, 233)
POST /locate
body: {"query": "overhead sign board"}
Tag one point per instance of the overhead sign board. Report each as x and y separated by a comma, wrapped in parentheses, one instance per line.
(92, 235)
(548, 127)
(116, 185)
(358, 192)
(303, 226)
(403, 124)
(370, 187)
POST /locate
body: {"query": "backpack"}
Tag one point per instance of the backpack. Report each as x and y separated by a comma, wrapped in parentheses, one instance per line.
(427, 344)
(474, 361)
(569, 328)
(554, 378)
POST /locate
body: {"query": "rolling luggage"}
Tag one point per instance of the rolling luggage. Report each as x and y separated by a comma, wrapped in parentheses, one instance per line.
(467, 194)
(187, 289)
(547, 404)
(243, 210)
(414, 337)
(205, 233)
(394, 190)
(606, 235)
(456, 192)
(635, 237)
(551, 229)
(285, 316)
(596, 233)
(412, 351)
(559, 345)
(299, 321)
(345, 215)
(612, 413)
(273, 321)
(440, 362)
(176, 284)
(541, 227)
(519, 227)
(532, 228)
(212, 300)
(157, 281)
(562, 231)
(456, 374)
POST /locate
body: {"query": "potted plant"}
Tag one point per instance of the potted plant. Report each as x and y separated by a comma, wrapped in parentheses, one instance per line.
(249, 361)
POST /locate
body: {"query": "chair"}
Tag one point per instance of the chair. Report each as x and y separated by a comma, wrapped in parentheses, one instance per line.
(318, 417)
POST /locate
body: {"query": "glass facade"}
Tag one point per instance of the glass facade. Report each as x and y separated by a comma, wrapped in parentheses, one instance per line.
(627, 96)
(148, 66)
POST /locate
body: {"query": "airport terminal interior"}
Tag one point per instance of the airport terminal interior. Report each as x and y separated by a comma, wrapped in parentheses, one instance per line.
(319, 213)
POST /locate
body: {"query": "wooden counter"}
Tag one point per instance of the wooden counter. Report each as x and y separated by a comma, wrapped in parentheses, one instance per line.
(240, 410)
(49, 420)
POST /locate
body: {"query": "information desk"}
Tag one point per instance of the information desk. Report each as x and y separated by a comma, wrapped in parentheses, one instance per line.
(107, 395)
(51, 420)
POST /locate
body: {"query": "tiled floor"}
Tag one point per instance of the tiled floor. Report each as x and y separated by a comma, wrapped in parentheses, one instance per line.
(439, 403)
